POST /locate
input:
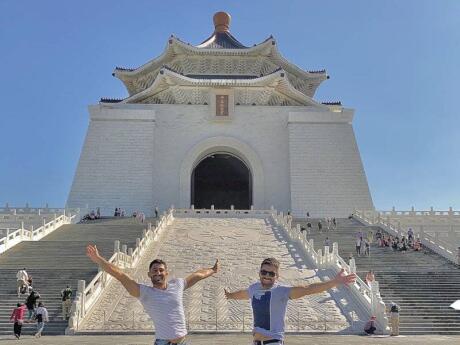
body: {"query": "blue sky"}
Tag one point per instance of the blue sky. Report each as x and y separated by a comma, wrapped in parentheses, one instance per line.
(395, 62)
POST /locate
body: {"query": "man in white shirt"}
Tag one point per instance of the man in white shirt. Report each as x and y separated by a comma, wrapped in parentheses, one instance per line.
(163, 301)
(21, 279)
(269, 300)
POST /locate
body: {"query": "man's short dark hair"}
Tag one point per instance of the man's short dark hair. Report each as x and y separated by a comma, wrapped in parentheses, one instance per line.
(159, 262)
(272, 262)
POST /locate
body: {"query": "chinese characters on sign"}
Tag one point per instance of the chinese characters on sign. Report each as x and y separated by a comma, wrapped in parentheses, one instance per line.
(221, 105)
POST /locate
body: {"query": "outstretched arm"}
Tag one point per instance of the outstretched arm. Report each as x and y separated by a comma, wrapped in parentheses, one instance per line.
(130, 285)
(240, 294)
(341, 278)
(204, 273)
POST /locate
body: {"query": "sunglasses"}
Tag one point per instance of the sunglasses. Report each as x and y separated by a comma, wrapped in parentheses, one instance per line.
(267, 273)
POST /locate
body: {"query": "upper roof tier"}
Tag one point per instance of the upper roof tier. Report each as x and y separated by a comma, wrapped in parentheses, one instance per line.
(223, 55)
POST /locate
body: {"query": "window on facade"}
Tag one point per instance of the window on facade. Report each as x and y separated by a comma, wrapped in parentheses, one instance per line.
(221, 105)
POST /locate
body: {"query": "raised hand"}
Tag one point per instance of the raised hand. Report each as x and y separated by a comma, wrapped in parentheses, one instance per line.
(93, 254)
(216, 266)
(345, 279)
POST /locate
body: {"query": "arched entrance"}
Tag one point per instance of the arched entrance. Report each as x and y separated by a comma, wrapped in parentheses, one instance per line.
(222, 180)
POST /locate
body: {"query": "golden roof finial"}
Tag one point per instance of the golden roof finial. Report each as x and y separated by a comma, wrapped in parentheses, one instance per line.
(221, 21)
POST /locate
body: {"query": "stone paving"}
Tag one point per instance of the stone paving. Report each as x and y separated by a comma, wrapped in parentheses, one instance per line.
(240, 244)
(237, 339)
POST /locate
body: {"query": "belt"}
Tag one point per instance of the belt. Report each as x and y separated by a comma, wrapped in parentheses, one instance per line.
(270, 341)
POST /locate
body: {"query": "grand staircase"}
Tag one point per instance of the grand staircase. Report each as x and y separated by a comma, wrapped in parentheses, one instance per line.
(241, 245)
(424, 284)
(56, 261)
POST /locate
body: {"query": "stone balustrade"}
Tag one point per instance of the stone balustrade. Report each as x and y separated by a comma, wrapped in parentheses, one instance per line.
(437, 230)
(367, 298)
(13, 237)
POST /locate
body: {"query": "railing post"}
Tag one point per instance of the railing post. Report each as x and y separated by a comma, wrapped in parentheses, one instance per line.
(352, 264)
(81, 292)
(116, 246)
(124, 249)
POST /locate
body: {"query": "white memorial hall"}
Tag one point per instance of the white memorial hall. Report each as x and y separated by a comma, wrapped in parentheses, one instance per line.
(221, 123)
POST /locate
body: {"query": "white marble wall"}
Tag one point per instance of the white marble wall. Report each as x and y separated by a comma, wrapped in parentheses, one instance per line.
(327, 175)
(136, 156)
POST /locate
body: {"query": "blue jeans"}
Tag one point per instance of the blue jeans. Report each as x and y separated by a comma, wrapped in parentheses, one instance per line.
(166, 342)
(40, 326)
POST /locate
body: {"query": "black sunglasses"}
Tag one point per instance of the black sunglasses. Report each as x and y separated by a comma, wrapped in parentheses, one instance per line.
(267, 273)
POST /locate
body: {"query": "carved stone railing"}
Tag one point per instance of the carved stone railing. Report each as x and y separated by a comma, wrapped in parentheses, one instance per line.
(368, 298)
(425, 231)
(16, 236)
(88, 295)
(194, 212)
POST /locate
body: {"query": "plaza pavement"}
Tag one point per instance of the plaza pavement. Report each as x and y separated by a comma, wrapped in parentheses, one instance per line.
(237, 339)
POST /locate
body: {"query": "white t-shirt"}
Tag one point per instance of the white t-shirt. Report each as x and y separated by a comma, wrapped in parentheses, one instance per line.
(22, 275)
(166, 308)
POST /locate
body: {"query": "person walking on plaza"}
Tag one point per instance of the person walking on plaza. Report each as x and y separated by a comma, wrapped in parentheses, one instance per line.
(163, 301)
(31, 303)
(394, 318)
(320, 226)
(156, 212)
(41, 315)
(269, 300)
(66, 296)
(21, 281)
(17, 316)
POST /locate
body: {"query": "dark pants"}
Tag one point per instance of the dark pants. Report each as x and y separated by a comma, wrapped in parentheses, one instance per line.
(370, 330)
(17, 328)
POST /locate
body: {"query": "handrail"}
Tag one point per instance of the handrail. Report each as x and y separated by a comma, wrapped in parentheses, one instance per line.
(88, 295)
(368, 297)
(21, 234)
(450, 251)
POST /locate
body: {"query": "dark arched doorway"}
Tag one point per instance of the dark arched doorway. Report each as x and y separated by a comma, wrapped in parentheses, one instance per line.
(222, 180)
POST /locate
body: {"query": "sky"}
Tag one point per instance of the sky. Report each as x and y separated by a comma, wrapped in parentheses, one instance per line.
(395, 62)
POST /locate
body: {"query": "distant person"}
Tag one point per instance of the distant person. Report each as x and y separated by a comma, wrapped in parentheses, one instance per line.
(156, 212)
(359, 242)
(17, 316)
(116, 214)
(320, 226)
(21, 279)
(41, 315)
(66, 296)
(327, 242)
(31, 303)
(394, 318)
(370, 278)
(269, 300)
(367, 247)
(334, 223)
(410, 235)
(369, 327)
(98, 213)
